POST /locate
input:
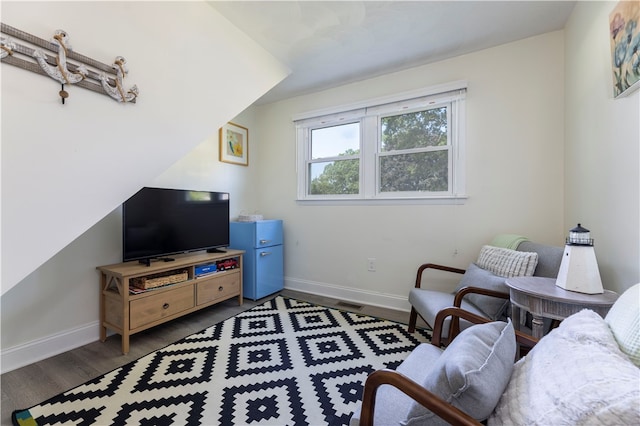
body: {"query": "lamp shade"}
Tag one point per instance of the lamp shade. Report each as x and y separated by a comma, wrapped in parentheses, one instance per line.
(580, 236)
(579, 268)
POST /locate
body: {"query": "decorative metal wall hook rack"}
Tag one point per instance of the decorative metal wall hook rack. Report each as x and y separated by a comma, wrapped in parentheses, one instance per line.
(88, 73)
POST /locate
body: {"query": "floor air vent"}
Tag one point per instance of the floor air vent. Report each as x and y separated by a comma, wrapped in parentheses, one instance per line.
(348, 305)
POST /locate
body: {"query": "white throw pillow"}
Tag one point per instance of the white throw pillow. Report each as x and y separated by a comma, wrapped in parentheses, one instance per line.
(574, 375)
(624, 322)
(506, 262)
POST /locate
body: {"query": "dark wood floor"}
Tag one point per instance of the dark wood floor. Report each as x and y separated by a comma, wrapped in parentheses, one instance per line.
(30, 385)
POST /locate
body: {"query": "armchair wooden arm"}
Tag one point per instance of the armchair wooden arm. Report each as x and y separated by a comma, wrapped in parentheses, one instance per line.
(413, 317)
(440, 407)
(424, 266)
(457, 302)
(417, 392)
(523, 339)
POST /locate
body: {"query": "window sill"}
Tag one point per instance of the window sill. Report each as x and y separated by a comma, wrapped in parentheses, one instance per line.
(442, 200)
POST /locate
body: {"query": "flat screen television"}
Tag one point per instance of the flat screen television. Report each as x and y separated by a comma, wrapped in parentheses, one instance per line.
(159, 222)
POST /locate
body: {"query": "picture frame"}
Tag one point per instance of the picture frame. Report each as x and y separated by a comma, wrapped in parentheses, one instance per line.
(624, 37)
(234, 144)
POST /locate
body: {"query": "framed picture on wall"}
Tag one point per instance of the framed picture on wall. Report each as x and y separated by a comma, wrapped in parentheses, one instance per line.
(624, 37)
(234, 144)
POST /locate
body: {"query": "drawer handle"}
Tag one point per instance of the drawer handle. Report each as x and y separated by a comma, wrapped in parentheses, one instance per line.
(265, 253)
(264, 241)
(165, 306)
(220, 288)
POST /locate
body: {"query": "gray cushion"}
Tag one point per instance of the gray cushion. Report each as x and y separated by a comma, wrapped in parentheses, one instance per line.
(471, 373)
(392, 404)
(429, 302)
(549, 258)
(493, 307)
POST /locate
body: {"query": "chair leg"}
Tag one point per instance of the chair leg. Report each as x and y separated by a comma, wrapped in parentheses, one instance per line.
(412, 320)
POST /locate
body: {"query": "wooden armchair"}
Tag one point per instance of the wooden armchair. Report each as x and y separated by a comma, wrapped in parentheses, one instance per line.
(480, 291)
(440, 301)
(416, 391)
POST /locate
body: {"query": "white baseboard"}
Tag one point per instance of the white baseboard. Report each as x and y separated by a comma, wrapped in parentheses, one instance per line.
(37, 350)
(384, 300)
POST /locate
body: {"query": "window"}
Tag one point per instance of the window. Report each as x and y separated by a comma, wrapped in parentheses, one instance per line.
(406, 147)
(334, 167)
(414, 154)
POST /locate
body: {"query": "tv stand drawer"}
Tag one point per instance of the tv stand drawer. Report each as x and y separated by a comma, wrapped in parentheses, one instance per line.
(158, 306)
(218, 288)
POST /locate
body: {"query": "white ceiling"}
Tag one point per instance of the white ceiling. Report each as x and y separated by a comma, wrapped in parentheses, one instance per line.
(329, 43)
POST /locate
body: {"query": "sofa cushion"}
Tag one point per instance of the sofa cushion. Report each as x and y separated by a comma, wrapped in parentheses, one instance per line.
(471, 373)
(475, 276)
(624, 321)
(574, 375)
(506, 262)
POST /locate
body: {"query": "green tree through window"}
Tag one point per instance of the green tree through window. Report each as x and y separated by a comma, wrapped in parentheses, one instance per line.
(415, 130)
(338, 177)
(404, 147)
(411, 166)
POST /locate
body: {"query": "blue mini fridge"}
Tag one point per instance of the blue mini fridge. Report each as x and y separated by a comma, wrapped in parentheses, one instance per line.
(263, 264)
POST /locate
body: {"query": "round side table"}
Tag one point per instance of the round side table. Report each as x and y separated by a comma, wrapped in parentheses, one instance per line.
(543, 299)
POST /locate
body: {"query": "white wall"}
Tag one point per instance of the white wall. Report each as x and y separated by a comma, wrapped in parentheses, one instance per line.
(200, 169)
(515, 134)
(64, 290)
(602, 154)
(66, 169)
(79, 161)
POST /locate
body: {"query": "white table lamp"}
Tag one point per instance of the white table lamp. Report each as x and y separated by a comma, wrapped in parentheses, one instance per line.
(579, 269)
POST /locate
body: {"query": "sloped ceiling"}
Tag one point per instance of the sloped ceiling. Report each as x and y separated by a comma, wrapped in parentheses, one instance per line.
(330, 43)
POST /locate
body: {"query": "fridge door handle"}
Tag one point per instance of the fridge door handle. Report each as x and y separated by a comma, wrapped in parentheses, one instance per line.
(264, 253)
(264, 242)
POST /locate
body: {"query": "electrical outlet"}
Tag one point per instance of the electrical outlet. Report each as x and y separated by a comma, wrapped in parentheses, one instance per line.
(371, 264)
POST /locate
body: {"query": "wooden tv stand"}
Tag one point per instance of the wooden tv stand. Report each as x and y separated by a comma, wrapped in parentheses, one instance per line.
(127, 313)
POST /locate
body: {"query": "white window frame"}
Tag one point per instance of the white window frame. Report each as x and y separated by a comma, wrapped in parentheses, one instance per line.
(350, 117)
(369, 114)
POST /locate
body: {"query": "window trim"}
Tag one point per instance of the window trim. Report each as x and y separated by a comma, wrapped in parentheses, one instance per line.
(368, 113)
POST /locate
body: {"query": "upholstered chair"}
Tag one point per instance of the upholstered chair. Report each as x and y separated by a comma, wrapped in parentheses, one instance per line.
(482, 289)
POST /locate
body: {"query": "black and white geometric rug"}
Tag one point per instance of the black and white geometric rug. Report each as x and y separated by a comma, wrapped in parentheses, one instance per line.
(285, 362)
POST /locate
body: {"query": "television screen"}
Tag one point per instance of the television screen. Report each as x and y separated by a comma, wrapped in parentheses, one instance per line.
(158, 222)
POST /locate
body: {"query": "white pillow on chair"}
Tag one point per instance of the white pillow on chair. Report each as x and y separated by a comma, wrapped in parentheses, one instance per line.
(624, 321)
(506, 262)
(575, 375)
